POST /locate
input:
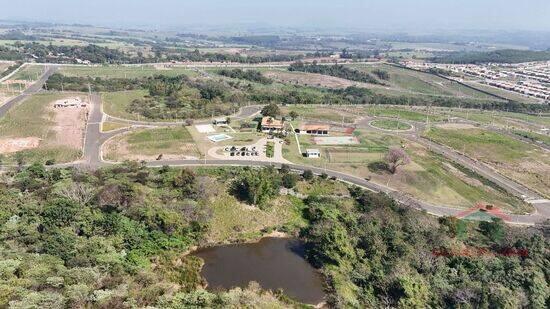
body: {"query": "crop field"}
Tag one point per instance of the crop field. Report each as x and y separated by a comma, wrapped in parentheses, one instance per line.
(123, 71)
(31, 126)
(523, 162)
(149, 144)
(115, 103)
(428, 177)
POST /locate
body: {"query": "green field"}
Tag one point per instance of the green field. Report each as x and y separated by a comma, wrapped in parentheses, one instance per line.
(115, 103)
(122, 71)
(387, 124)
(404, 81)
(29, 73)
(30, 119)
(429, 177)
(523, 162)
(150, 143)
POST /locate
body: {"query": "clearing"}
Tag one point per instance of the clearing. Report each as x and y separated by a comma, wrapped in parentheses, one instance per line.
(149, 144)
(523, 162)
(40, 132)
(116, 103)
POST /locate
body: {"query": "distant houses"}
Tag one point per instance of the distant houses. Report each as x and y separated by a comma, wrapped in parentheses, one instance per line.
(272, 125)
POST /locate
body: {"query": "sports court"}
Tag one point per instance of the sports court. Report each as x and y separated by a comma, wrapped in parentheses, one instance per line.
(336, 140)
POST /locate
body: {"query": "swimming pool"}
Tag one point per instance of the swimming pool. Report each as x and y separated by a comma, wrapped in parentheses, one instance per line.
(219, 137)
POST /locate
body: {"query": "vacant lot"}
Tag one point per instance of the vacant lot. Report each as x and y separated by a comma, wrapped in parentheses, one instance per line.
(322, 113)
(523, 162)
(429, 177)
(43, 133)
(123, 71)
(115, 103)
(409, 81)
(29, 73)
(149, 144)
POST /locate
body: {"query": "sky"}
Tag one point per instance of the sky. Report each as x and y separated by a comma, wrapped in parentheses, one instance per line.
(413, 15)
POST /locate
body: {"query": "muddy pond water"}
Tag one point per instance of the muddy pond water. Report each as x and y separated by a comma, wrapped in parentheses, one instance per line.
(275, 263)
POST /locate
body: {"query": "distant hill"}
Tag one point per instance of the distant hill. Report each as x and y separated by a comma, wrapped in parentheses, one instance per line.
(497, 56)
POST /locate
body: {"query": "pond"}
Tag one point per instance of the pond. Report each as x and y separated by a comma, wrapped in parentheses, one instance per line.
(275, 263)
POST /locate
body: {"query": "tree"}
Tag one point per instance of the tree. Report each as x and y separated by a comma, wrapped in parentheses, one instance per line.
(293, 115)
(395, 158)
(308, 175)
(289, 180)
(256, 187)
(271, 110)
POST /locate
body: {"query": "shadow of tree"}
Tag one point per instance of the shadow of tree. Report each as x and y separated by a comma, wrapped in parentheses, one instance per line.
(379, 167)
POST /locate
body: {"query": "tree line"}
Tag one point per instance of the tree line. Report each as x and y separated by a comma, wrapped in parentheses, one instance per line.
(335, 70)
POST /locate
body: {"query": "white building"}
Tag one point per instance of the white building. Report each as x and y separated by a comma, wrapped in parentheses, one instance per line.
(313, 153)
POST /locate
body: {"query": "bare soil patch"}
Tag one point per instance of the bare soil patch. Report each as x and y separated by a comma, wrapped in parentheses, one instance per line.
(12, 145)
(69, 125)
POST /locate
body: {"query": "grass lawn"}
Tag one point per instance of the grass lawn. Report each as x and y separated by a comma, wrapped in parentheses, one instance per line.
(31, 119)
(409, 81)
(173, 142)
(233, 220)
(412, 114)
(29, 73)
(322, 113)
(111, 126)
(115, 103)
(388, 124)
(523, 162)
(123, 71)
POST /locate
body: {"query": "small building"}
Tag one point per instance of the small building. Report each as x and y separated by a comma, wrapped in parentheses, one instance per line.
(220, 121)
(272, 125)
(313, 129)
(313, 153)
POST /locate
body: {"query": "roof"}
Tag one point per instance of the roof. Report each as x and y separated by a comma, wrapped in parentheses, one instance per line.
(272, 122)
(313, 151)
(314, 127)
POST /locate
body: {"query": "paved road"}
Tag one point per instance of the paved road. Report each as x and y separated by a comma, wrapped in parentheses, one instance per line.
(34, 88)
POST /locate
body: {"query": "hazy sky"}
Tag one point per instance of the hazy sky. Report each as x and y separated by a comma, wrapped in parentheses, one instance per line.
(364, 14)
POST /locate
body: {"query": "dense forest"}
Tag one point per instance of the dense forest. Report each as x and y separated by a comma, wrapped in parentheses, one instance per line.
(497, 56)
(118, 237)
(377, 254)
(336, 71)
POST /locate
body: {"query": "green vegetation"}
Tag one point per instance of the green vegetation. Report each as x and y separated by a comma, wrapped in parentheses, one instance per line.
(113, 71)
(7, 70)
(116, 103)
(250, 75)
(152, 143)
(119, 236)
(518, 160)
(270, 149)
(334, 70)
(29, 73)
(378, 254)
(387, 124)
(497, 56)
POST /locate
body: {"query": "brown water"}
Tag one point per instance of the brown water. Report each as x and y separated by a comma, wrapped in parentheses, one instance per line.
(275, 263)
